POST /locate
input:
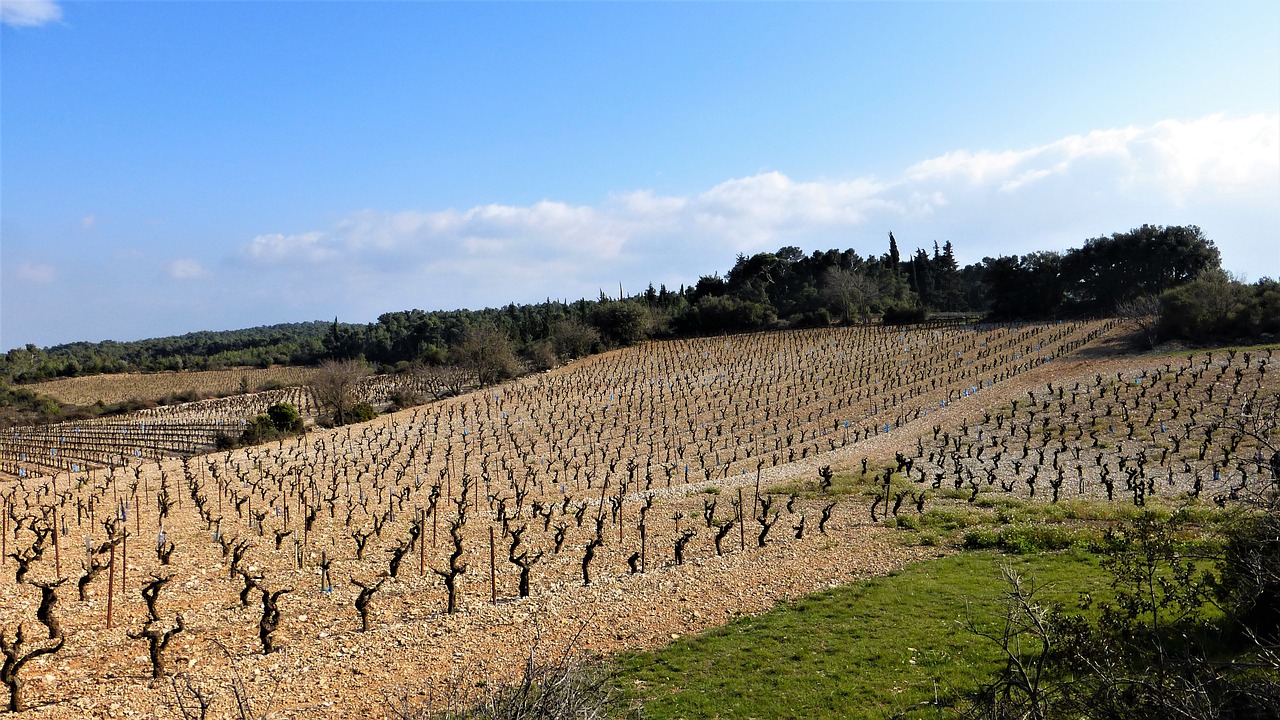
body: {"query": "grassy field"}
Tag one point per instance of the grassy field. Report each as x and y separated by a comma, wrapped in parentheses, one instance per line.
(888, 647)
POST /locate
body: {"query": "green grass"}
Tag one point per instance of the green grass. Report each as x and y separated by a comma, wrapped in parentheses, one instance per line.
(873, 649)
(1026, 538)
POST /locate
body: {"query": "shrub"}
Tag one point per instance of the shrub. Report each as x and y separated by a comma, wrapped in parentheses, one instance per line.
(1024, 538)
(404, 398)
(363, 412)
(815, 319)
(285, 417)
(540, 355)
(259, 430)
(571, 338)
(567, 688)
(907, 522)
(905, 315)
(981, 538)
(721, 313)
(1158, 647)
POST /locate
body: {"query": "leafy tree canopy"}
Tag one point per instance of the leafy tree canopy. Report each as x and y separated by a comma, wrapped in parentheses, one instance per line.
(785, 288)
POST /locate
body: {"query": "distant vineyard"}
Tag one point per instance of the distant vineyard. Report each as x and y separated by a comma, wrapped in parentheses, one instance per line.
(152, 387)
(704, 407)
(157, 433)
(171, 431)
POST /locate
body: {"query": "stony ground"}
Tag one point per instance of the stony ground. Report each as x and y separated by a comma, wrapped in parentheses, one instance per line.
(414, 654)
(328, 668)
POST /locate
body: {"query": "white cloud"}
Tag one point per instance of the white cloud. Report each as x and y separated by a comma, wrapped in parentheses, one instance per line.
(185, 269)
(36, 273)
(751, 212)
(1218, 172)
(1228, 156)
(88, 222)
(1215, 154)
(974, 167)
(306, 247)
(29, 13)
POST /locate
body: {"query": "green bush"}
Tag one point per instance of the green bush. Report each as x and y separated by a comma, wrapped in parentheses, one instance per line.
(285, 418)
(1163, 642)
(907, 522)
(259, 430)
(951, 518)
(280, 420)
(905, 315)
(819, 318)
(723, 313)
(1024, 538)
(981, 538)
(363, 412)
(1216, 305)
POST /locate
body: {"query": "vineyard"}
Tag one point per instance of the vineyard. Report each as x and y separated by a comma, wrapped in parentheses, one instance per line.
(153, 387)
(171, 431)
(622, 500)
(1185, 427)
(168, 431)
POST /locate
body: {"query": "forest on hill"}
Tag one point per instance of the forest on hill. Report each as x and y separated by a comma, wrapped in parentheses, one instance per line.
(1169, 275)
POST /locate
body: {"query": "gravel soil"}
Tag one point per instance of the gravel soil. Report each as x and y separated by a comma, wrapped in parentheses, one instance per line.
(416, 655)
(414, 652)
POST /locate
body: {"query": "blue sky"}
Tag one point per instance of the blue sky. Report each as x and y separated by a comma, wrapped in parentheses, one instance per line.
(167, 167)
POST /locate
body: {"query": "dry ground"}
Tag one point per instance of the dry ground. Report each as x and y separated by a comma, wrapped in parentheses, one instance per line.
(327, 668)
(151, 387)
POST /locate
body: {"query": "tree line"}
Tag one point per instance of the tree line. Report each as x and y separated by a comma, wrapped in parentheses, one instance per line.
(1176, 270)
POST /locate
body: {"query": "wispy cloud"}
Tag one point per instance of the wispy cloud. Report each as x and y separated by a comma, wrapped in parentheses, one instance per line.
(29, 13)
(88, 222)
(35, 273)
(277, 247)
(185, 269)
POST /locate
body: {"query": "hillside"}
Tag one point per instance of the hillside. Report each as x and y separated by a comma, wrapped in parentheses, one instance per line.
(604, 466)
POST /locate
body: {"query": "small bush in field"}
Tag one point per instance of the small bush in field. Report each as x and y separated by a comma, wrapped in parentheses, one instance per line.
(285, 417)
(363, 412)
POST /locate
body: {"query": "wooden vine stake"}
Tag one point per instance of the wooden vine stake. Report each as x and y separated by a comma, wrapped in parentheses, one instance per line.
(111, 584)
(493, 572)
(57, 552)
(644, 541)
